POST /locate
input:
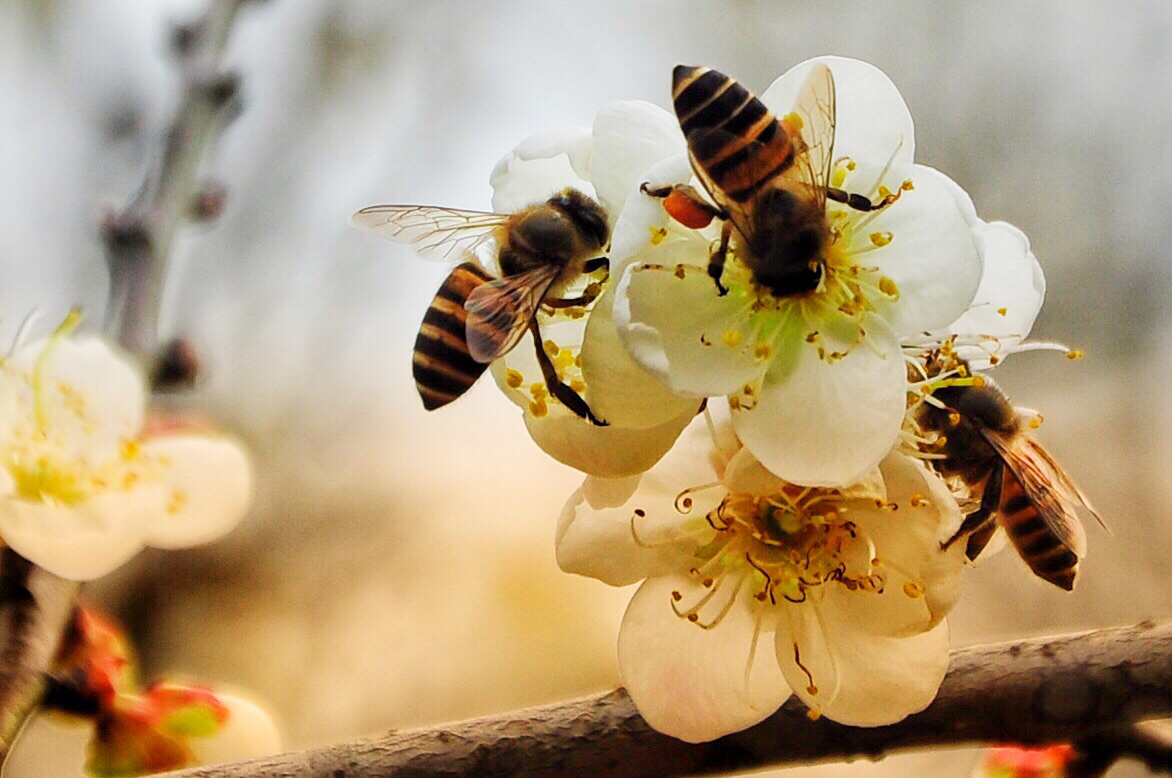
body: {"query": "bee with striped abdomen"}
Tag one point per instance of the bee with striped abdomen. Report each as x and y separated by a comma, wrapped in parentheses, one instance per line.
(475, 317)
(985, 443)
(769, 178)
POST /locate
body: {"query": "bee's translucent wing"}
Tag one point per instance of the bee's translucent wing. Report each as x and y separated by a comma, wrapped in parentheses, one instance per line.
(706, 141)
(814, 113)
(433, 231)
(499, 311)
(1045, 484)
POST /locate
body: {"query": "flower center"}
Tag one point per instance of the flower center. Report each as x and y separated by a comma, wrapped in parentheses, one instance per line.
(831, 318)
(50, 452)
(785, 547)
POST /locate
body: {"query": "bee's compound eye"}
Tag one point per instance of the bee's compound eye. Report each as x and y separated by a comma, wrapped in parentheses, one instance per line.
(593, 223)
(586, 214)
(546, 231)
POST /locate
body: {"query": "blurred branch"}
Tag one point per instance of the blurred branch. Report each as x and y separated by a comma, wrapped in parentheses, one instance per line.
(34, 608)
(1149, 742)
(1038, 691)
(138, 238)
(35, 605)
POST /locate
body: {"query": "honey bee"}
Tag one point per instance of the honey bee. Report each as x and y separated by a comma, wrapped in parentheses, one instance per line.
(476, 317)
(987, 446)
(768, 177)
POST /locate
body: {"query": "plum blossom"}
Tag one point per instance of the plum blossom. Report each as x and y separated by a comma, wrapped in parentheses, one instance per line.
(755, 588)
(643, 417)
(87, 479)
(817, 381)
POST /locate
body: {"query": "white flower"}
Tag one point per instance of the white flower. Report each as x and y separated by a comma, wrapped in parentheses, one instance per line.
(1008, 298)
(818, 380)
(606, 162)
(82, 486)
(755, 587)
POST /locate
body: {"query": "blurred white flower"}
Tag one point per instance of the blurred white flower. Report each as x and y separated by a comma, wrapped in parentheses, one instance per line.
(607, 162)
(817, 380)
(83, 487)
(755, 587)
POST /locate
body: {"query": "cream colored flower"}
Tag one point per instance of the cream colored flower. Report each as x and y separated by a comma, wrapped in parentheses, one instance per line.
(754, 588)
(82, 488)
(643, 417)
(817, 381)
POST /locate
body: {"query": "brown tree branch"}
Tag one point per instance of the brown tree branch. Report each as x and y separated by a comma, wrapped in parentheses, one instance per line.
(1036, 691)
(1149, 742)
(34, 609)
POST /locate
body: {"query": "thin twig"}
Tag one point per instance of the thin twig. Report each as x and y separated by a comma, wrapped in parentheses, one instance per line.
(1037, 691)
(138, 238)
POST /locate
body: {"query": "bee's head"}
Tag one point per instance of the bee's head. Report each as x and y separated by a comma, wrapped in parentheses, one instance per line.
(586, 214)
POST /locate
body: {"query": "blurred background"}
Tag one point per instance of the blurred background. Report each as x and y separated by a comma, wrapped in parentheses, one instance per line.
(397, 569)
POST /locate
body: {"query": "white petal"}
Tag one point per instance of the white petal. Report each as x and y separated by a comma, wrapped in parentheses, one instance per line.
(603, 451)
(84, 541)
(617, 388)
(746, 475)
(248, 733)
(629, 137)
(674, 325)
(209, 483)
(873, 120)
(689, 682)
(599, 543)
(51, 745)
(105, 392)
(858, 678)
(829, 423)
(540, 167)
(598, 526)
(932, 257)
(1009, 296)
(643, 216)
(909, 539)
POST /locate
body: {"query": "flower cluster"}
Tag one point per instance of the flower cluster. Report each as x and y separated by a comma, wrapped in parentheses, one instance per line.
(798, 455)
(88, 477)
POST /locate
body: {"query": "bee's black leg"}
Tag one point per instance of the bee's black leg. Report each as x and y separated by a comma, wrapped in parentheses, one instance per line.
(858, 201)
(716, 260)
(596, 264)
(655, 191)
(980, 524)
(567, 396)
(688, 192)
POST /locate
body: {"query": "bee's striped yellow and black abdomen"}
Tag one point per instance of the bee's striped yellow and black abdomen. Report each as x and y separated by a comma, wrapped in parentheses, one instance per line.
(1042, 550)
(441, 364)
(733, 137)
